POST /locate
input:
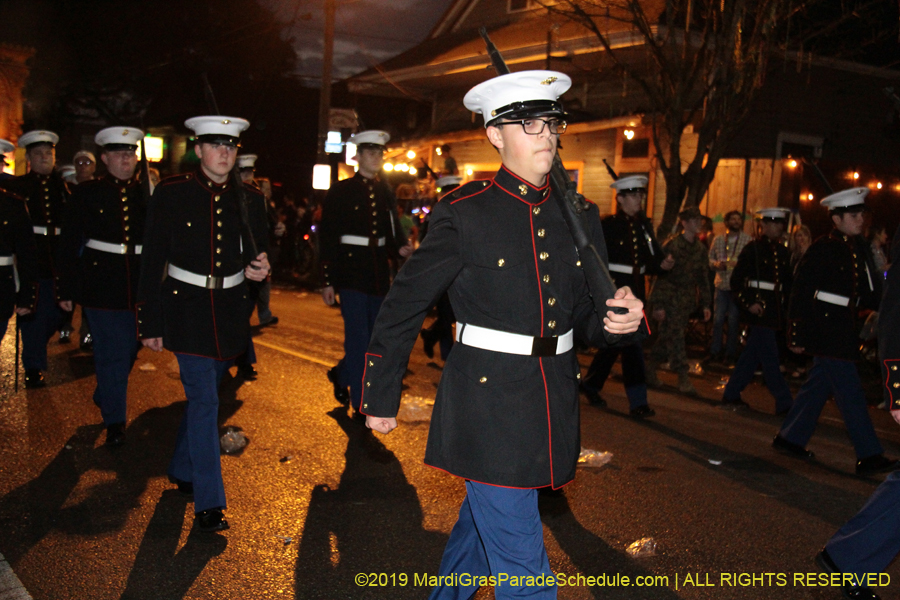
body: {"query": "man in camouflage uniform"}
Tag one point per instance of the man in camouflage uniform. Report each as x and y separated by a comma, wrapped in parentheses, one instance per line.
(675, 296)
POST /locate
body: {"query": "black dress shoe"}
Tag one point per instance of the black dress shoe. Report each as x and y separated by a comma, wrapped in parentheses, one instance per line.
(247, 372)
(115, 434)
(34, 378)
(593, 397)
(786, 447)
(875, 464)
(851, 592)
(87, 342)
(427, 343)
(341, 394)
(65, 336)
(184, 487)
(212, 519)
(642, 412)
(736, 404)
(272, 321)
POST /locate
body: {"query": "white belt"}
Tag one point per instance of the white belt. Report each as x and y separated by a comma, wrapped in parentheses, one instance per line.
(209, 282)
(113, 248)
(6, 261)
(627, 269)
(831, 298)
(513, 343)
(358, 240)
(761, 285)
(41, 230)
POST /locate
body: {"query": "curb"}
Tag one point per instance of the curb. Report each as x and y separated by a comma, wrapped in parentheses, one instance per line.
(10, 586)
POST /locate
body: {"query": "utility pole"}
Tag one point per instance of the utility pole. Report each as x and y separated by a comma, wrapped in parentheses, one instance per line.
(325, 95)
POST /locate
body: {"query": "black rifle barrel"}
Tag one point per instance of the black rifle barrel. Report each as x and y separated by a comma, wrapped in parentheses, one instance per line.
(573, 205)
(235, 179)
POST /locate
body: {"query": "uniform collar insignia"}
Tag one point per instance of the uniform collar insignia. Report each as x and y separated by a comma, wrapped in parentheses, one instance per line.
(521, 189)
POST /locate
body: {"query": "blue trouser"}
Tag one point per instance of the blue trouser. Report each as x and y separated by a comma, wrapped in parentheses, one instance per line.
(761, 348)
(831, 376)
(498, 533)
(38, 327)
(359, 311)
(632, 372)
(196, 456)
(725, 307)
(115, 349)
(869, 541)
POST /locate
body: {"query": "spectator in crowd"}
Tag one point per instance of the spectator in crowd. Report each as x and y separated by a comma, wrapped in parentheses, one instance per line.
(877, 240)
(723, 257)
(85, 165)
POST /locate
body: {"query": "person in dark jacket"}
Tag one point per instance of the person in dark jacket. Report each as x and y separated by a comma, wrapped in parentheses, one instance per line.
(46, 195)
(761, 284)
(634, 253)
(193, 297)
(359, 235)
(866, 544)
(506, 413)
(18, 256)
(835, 280)
(99, 262)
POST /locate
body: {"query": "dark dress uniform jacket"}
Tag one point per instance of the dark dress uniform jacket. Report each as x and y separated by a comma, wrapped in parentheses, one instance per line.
(195, 224)
(46, 197)
(364, 208)
(506, 254)
(111, 211)
(16, 239)
(889, 329)
(630, 242)
(769, 262)
(841, 265)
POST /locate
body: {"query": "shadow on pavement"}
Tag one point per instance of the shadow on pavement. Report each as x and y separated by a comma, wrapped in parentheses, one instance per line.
(372, 523)
(591, 555)
(161, 571)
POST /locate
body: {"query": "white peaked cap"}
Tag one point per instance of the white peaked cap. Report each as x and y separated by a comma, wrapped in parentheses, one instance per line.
(38, 136)
(631, 182)
(517, 95)
(126, 136)
(217, 125)
(846, 198)
(371, 136)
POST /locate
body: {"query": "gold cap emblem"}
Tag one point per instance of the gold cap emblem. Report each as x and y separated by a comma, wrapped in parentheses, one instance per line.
(523, 190)
(549, 80)
(124, 132)
(226, 121)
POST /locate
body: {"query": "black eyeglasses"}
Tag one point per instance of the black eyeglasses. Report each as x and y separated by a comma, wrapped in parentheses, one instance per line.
(536, 126)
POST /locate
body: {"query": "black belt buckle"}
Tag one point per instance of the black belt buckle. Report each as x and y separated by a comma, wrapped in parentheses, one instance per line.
(544, 346)
(373, 242)
(213, 282)
(129, 248)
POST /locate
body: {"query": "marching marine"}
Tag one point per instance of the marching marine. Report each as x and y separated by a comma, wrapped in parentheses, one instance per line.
(835, 280)
(359, 235)
(761, 284)
(633, 254)
(200, 246)
(18, 256)
(46, 195)
(506, 412)
(100, 264)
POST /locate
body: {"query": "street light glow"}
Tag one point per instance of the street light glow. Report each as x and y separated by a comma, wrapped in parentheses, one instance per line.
(410, 155)
(628, 133)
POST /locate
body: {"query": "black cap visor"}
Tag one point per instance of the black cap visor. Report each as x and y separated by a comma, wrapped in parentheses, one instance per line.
(526, 109)
(219, 138)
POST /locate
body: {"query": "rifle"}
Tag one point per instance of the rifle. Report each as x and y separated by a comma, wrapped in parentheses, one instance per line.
(17, 355)
(236, 181)
(574, 209)
(610, 170)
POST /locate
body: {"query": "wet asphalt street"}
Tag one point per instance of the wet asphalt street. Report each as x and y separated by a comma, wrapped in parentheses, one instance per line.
(318, 505)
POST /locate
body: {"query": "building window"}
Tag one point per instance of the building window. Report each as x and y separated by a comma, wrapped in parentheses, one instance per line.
(636, 148)
(520, 5)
